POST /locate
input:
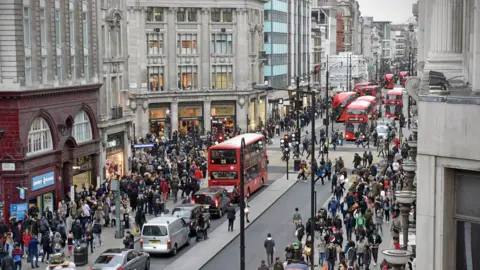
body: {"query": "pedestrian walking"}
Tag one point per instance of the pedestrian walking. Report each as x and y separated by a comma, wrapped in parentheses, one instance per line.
(374, 242)
(269, 246)
(97, 231)
(297, 218)
(46, 246)
(33, 251)
(17, 254)
(89, 237)
(231, 217)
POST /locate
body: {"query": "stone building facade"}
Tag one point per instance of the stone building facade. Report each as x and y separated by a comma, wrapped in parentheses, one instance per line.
(192, 65)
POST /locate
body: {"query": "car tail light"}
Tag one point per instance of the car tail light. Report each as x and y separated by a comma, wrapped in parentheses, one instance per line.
(141, 243)
(193, 200)
(169, 244)
(216, 203)
(120, 268)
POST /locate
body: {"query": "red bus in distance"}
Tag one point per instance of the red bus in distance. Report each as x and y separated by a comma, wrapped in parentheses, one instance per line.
(394, 103)
(358, 119)
(340, 102)
(224, 163)
(389, 81)
(372, 100)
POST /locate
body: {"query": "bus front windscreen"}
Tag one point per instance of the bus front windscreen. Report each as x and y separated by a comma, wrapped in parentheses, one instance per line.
(356, 111)
(220, 156)
(224, 175)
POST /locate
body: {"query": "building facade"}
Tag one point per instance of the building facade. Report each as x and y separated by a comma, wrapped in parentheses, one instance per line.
(192, 65)
(48, 102)
(448, 218)
(352, 25)
(115, 117)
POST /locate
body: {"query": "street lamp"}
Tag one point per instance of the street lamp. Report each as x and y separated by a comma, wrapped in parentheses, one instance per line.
(406, 199)
(242, 204)
(327, 75)
(397, 258)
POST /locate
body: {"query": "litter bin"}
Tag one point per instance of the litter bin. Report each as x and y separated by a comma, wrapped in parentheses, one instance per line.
(296, 164)
(126, 219)
(80, 255)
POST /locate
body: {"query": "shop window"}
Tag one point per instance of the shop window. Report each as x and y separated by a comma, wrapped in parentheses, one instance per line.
(222, 43)
(187, 44)
(187, 77)
(187, 15)
(222, 77)
(190, 112)
(82, 128)
(154, 14)
(221, 15)
(155, 43)
(155, 77)
(39, 137)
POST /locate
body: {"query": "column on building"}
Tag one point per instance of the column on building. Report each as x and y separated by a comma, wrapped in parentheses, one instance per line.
(205, 54)
(445, 54)
(171, 71)
(241, 50)
(207, 109)
(242, 114)
(256, 109)
(141, 117)
(174, 115)
(476, 45)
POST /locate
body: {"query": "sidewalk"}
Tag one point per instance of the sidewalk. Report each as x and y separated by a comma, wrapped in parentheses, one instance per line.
(220, 238)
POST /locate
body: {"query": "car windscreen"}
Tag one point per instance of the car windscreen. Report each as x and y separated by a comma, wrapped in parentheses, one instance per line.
(382, 129)
(181, 213)
(154, 230)
(202, 199)
(110, 259)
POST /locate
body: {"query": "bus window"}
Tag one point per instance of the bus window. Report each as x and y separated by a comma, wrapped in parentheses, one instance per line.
(252, 172)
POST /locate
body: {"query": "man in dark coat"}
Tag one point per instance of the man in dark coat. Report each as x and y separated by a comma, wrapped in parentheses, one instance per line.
(230, 216)
(269, 246)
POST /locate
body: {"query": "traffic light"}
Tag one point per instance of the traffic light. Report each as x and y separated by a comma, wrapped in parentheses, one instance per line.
(297, 135)
(220, 139)
(286, 141)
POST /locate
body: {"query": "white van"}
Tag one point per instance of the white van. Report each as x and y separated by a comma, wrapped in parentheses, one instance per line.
(164, 235)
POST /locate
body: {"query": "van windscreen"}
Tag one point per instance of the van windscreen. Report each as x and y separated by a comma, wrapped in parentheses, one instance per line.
(202, 199)
(154, 230)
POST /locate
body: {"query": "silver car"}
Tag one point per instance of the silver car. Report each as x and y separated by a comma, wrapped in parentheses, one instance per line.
(382, 130)
(127, 259)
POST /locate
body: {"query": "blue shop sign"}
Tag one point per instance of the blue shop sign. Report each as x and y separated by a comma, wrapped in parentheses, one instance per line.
(44, 180)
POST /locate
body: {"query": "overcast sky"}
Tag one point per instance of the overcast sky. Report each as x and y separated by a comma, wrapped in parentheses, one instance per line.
(396, 11)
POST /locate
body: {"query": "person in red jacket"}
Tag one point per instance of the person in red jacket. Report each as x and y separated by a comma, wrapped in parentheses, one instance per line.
(17, 254)
(198, 175)
(164, 189)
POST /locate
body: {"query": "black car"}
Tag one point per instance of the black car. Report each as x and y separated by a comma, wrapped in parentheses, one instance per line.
(214, 200)
(190, 213)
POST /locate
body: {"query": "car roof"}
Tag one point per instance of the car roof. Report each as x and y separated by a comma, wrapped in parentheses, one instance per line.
(162, 220)
(189, 206)
(115, 251)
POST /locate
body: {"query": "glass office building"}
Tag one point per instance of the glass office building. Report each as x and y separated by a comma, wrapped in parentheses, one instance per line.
(276, 42)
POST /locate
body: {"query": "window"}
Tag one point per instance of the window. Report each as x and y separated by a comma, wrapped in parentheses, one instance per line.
(73, 67)
(155, 75)
(28, 71)
(276, 16)
(39, 137)
(26, 26)
(155, 44)
(155, 14)
(222, 43)
(278, 38)
(187, 15)
(221, 15)
(222, 77)
(187, 44)
(82, 129)
(43, 28)
(154, 230)
(58, 33)
(278, 59)
(187, 77)
(59, 69)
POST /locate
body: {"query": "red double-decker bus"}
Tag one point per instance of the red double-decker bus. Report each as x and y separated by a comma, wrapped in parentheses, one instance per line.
(372, 100)
(394, 103)
(359, 85)
(358, 119)
(224, 163)
(340, 102)
(389, 81)
(403, 76)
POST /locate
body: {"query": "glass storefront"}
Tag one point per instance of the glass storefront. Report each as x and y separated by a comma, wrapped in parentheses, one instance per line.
(159, 118)
(223, 117)
(82, 172)
(190, 118)
(262, 108)
(115, 164)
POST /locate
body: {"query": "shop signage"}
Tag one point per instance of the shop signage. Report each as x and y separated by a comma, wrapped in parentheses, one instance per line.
(44, 180)
(48, 201)
(111, 144)
(8, 167)
(18, 209)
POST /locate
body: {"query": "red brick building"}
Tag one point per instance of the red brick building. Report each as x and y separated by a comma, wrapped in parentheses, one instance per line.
(46, 135)
(340, 37)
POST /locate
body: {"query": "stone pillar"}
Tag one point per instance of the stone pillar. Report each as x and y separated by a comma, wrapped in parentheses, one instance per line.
(476, 48)
(207, 111)
(96, 170)
(204, 68)
(242, 112)
(241, 49)
(257, 113)
(445, 54)
(171, 47)
(174, 115)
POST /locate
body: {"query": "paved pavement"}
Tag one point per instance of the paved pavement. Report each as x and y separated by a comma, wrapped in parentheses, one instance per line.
(278, 221)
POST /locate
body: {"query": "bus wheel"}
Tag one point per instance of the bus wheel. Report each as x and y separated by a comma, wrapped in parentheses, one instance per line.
(248, 193)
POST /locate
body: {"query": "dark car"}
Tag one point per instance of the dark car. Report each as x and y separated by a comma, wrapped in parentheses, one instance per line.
(190, 213)
(117, 258)
(214, 200)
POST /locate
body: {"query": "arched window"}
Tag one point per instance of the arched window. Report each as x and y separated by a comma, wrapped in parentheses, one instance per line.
(82, 129)
(39, 137)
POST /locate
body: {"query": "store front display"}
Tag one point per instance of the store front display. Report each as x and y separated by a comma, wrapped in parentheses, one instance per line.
(115, 163)
(159, 118)
(46, 199)
(262, 109)
(82, 172)
(190, 118)
(223, 117)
